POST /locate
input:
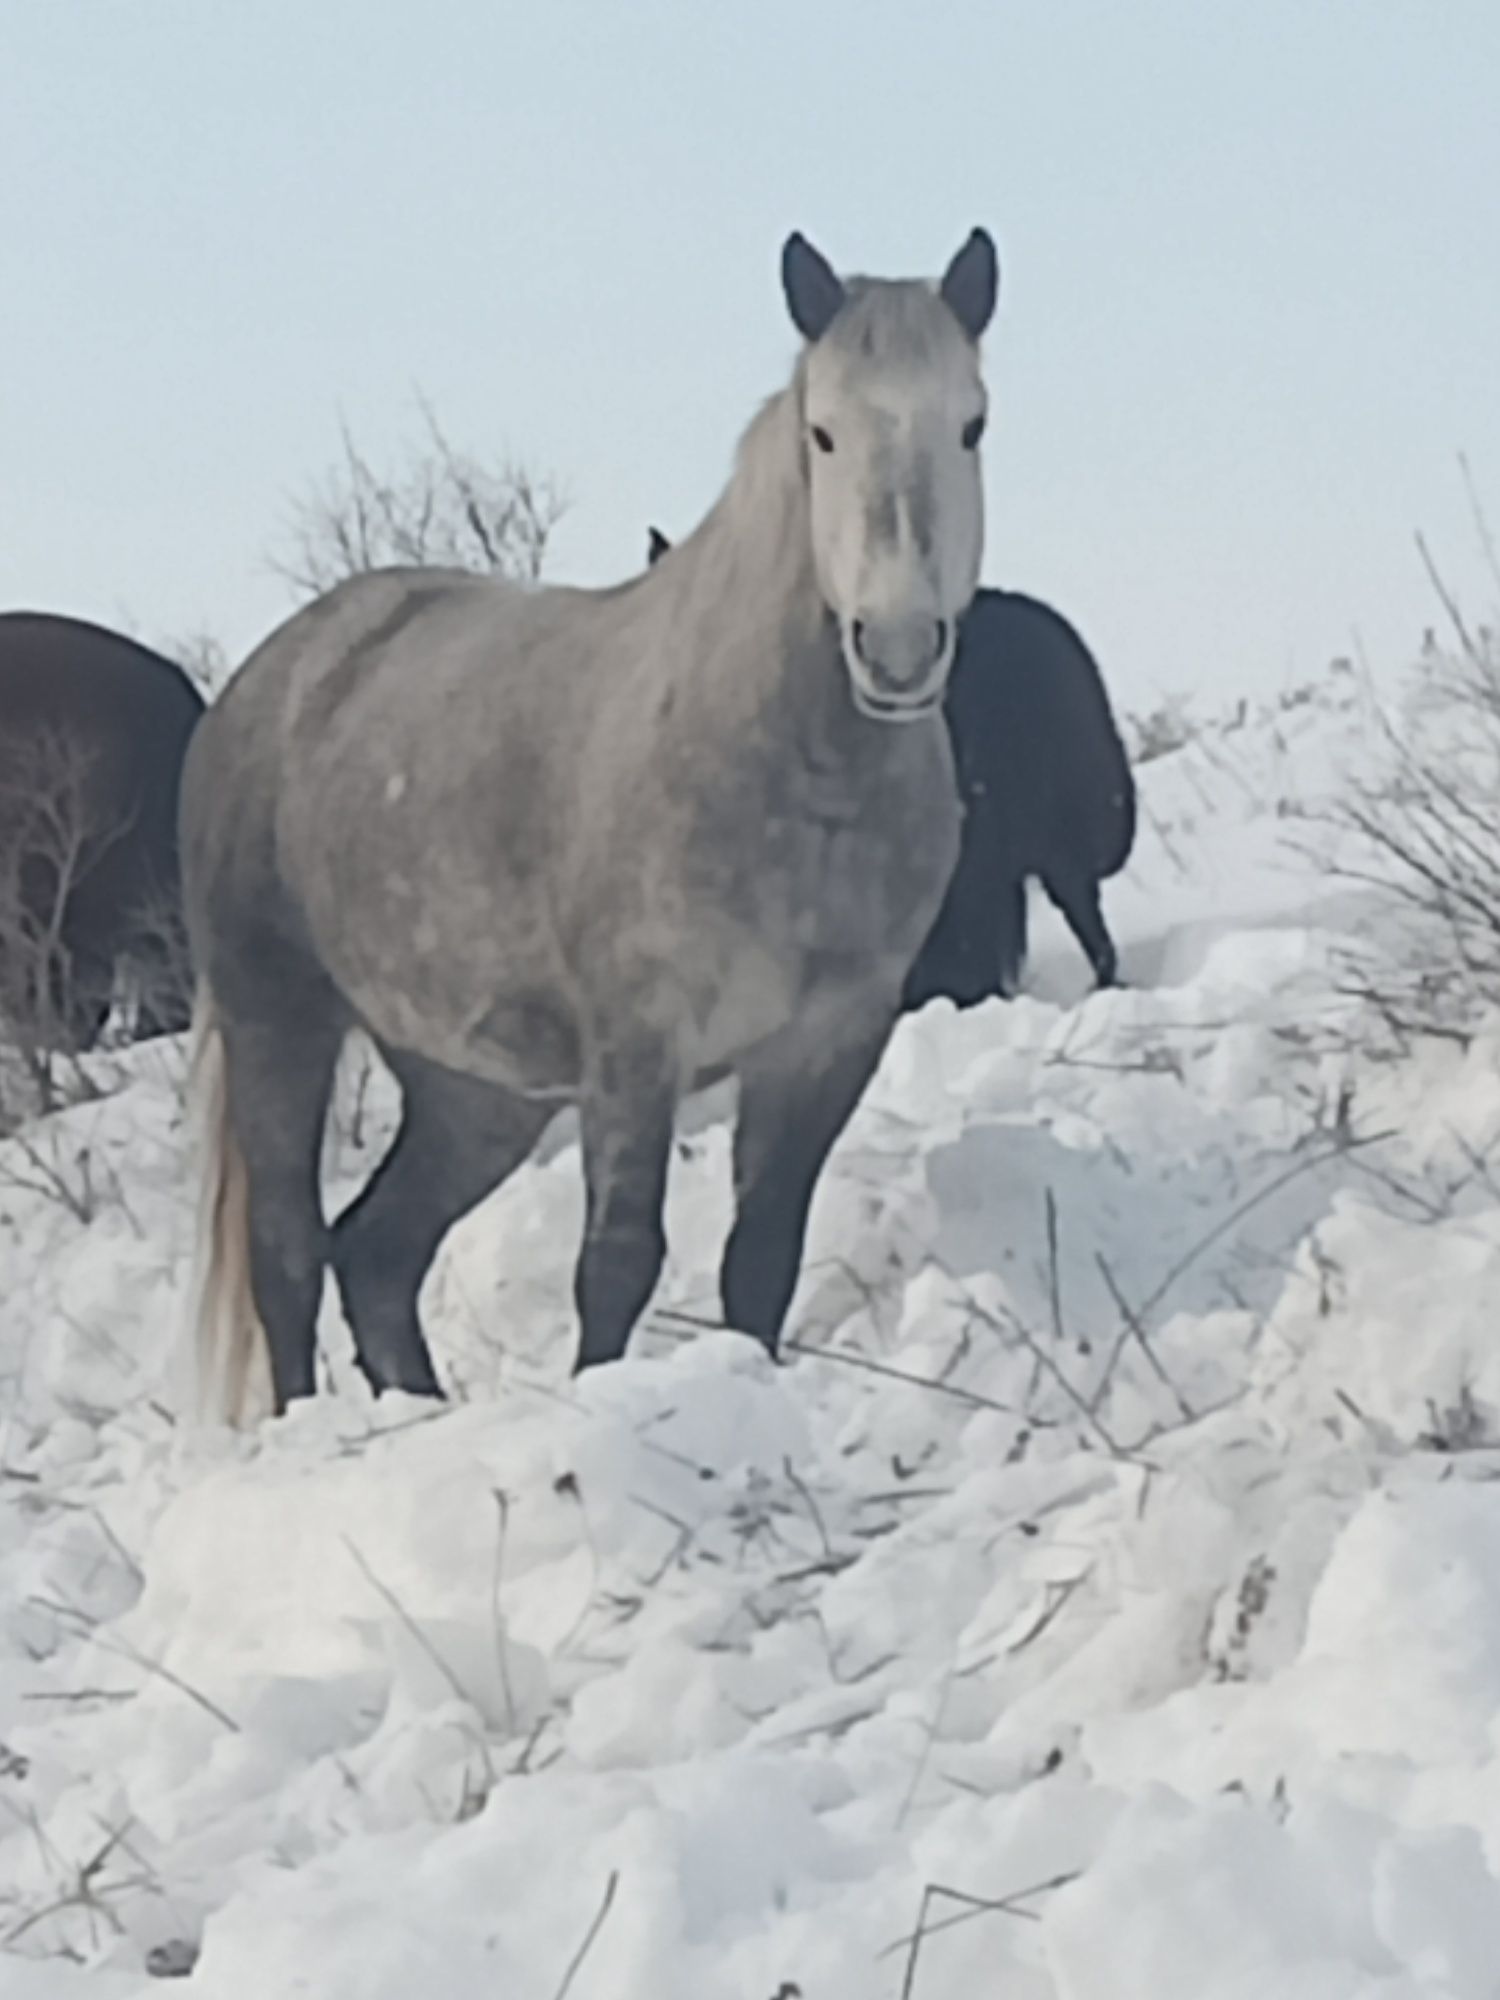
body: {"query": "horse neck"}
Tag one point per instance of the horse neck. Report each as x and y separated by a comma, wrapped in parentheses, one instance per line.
(751, 583)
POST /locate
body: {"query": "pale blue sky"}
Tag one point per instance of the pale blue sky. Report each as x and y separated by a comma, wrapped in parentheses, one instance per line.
(1250, 303)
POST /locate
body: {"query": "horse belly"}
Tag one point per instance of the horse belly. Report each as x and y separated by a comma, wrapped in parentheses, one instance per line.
(459, 972)
(521, 1042)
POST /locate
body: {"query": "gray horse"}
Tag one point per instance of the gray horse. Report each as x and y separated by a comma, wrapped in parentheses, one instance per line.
(592, 847)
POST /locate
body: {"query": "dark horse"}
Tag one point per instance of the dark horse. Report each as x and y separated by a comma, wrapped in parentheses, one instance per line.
(593, 847)
(95, 730)
(1047, 791)
(1046, 788)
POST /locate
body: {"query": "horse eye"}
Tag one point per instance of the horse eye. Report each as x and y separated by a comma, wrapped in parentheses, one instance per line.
(973, 432)
(821, 438)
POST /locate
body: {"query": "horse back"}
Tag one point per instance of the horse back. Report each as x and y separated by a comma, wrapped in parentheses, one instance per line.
(382, 797)
(94, 683)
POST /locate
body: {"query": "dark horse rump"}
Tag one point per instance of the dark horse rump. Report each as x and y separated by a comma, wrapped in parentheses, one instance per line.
(94, 730)
(1047, 791)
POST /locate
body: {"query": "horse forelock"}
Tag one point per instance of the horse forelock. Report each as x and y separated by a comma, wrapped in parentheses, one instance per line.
(896, 323)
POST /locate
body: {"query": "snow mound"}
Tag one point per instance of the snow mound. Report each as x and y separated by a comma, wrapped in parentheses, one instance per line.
(1103, 1600)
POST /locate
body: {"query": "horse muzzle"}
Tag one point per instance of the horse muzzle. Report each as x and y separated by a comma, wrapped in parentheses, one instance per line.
(898, 668)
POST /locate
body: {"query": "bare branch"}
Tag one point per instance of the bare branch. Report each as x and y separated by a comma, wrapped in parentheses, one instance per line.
(1426, 830)
(575, 1964)
(439, 506)
(52, 837)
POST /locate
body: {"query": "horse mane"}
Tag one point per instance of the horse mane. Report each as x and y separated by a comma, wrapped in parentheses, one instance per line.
(770, 471)
(756, 538)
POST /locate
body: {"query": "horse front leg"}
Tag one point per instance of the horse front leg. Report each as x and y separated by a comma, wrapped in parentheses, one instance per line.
(625, 1116)
(796, 1096)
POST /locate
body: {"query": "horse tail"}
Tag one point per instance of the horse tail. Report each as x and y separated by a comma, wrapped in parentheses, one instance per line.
(229, 1342)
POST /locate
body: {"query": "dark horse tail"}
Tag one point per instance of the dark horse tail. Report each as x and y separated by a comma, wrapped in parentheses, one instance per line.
(229, 1342)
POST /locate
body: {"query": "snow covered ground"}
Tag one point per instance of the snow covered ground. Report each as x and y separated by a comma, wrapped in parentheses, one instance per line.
(1116, 1600)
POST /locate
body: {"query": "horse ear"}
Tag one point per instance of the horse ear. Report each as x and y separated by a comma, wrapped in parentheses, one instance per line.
(814, 290)
(971, 283)
(656, 546)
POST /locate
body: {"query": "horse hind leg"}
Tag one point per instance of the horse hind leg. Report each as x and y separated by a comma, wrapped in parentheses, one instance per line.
(950, 964)
(956, 959)
(796, 1096)
(279, 1078)
(1078, 899)
(459, 1138)
(1011, 936)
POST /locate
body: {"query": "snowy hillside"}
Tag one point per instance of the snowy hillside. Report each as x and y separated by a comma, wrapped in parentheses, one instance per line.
(1117, 1598)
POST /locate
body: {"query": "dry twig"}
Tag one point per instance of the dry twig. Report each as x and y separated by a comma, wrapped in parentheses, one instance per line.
(576, 1963)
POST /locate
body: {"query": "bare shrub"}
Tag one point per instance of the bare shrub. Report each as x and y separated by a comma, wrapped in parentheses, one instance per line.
(1161, 730)
(161, 978)
(60, 1166)
(439, 505)
(51, 839)
(1425, 830)
(202, 657)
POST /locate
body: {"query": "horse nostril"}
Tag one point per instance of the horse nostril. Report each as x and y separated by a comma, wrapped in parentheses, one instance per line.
(942, 638)
(857, 634)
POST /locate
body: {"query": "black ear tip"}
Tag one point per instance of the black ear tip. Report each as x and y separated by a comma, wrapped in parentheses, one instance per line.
(982, 245)
(794, 251)
(971, 284)
(814, 291)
